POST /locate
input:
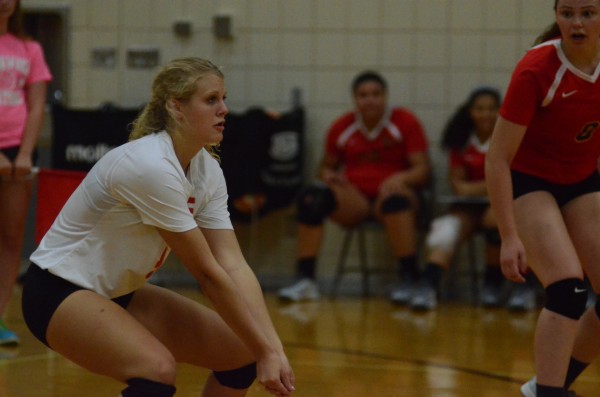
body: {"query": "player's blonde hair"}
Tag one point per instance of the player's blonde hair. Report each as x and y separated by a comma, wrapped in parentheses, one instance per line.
(177, 80)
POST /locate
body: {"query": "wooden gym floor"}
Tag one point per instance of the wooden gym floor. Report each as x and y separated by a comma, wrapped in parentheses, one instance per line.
(349, 347)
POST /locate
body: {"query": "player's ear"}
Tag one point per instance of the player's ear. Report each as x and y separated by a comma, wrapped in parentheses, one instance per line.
(173, 105)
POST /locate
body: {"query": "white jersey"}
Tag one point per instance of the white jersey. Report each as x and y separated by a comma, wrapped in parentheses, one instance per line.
(105, 237)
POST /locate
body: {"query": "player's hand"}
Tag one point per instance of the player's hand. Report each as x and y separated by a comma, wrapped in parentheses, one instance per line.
(333, 177)
(269, 374)
(393, 185)
(22, 166)
(513, 259)
(287, 374)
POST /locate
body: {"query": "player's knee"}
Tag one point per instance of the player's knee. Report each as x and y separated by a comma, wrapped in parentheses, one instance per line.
(394, 204)
(140, 387)
(444, 233)
(240, 378)
(492, 236)
(567, 297)
(315, 203)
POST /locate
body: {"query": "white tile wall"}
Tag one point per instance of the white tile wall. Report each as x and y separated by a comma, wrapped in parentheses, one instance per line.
(433, 52)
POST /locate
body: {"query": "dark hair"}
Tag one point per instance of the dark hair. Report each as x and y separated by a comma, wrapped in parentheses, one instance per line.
(550, 32)
(15, 22)
(366, 76)
(459, 128)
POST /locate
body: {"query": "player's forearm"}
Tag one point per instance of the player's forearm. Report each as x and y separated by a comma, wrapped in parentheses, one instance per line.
(250, 289)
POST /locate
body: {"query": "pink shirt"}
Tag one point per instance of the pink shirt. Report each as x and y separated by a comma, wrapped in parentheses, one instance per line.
(21, 64)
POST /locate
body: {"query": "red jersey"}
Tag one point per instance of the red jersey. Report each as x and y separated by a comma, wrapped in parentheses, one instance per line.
(560, 105)
(471, 158)
(369, 157)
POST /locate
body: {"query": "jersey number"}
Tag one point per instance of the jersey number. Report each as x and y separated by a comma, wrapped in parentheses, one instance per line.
(587, 132)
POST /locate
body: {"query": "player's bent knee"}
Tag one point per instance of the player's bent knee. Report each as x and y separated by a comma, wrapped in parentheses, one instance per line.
(240, 378)
(567, 297)
(444, 233)
(315, 203)
(394, 204)
(140, 387)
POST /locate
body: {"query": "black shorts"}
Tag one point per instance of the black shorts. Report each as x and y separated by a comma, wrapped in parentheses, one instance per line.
(11, 153)
(523, 184)
(43, 292)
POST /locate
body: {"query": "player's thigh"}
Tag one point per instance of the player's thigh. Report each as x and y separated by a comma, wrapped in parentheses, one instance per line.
(352, 207)
(14, 204)
(102, 337)
(582, 217)
(194, 333)
(542, 229)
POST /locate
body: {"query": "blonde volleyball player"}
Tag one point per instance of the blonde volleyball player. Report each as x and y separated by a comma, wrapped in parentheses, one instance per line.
(85, 294)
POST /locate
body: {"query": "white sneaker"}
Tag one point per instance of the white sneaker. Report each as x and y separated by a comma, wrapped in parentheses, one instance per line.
(424, 297)
(402, 293)
(528, 389)
(522, 299)
(304, 290)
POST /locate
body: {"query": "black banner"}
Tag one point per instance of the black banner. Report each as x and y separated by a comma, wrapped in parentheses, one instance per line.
(81, 137)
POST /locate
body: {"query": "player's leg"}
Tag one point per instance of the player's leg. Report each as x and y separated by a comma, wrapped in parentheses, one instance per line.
(398, 212)
(15, 198)
(552, 256)
(582, 217)
(445, 234)
(196, 335)
(345, 205)
(104, 338)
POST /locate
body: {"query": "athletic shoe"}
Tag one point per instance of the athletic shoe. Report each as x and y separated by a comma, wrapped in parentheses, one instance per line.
(522, 298)
(7, 337)
(402, 293)
(528, 389)
(424, 297)
(304, 290)
(491, 296)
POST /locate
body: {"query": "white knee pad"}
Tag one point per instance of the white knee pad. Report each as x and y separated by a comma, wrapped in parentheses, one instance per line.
(444, 233)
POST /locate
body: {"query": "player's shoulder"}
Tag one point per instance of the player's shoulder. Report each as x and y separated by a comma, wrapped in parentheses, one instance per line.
(542, 57)
(402, 116)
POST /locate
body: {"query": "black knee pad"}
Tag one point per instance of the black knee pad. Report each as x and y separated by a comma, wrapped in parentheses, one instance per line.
(240, 378)
(492, 236)
(567, 297)
(395, 204)
(139, 387)
(315, 203)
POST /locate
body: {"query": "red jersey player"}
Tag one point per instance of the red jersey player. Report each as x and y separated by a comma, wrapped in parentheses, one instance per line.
(466, 137)
(375, 160)
(544, 188)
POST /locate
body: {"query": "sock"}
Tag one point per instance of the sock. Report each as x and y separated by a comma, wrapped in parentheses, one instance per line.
(493, 275)
(549, 391)
(433, 274)
(576, 367)
(306, 267)
(407, 267)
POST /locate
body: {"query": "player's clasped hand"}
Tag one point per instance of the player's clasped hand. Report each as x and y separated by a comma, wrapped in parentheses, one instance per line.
(275, 375)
